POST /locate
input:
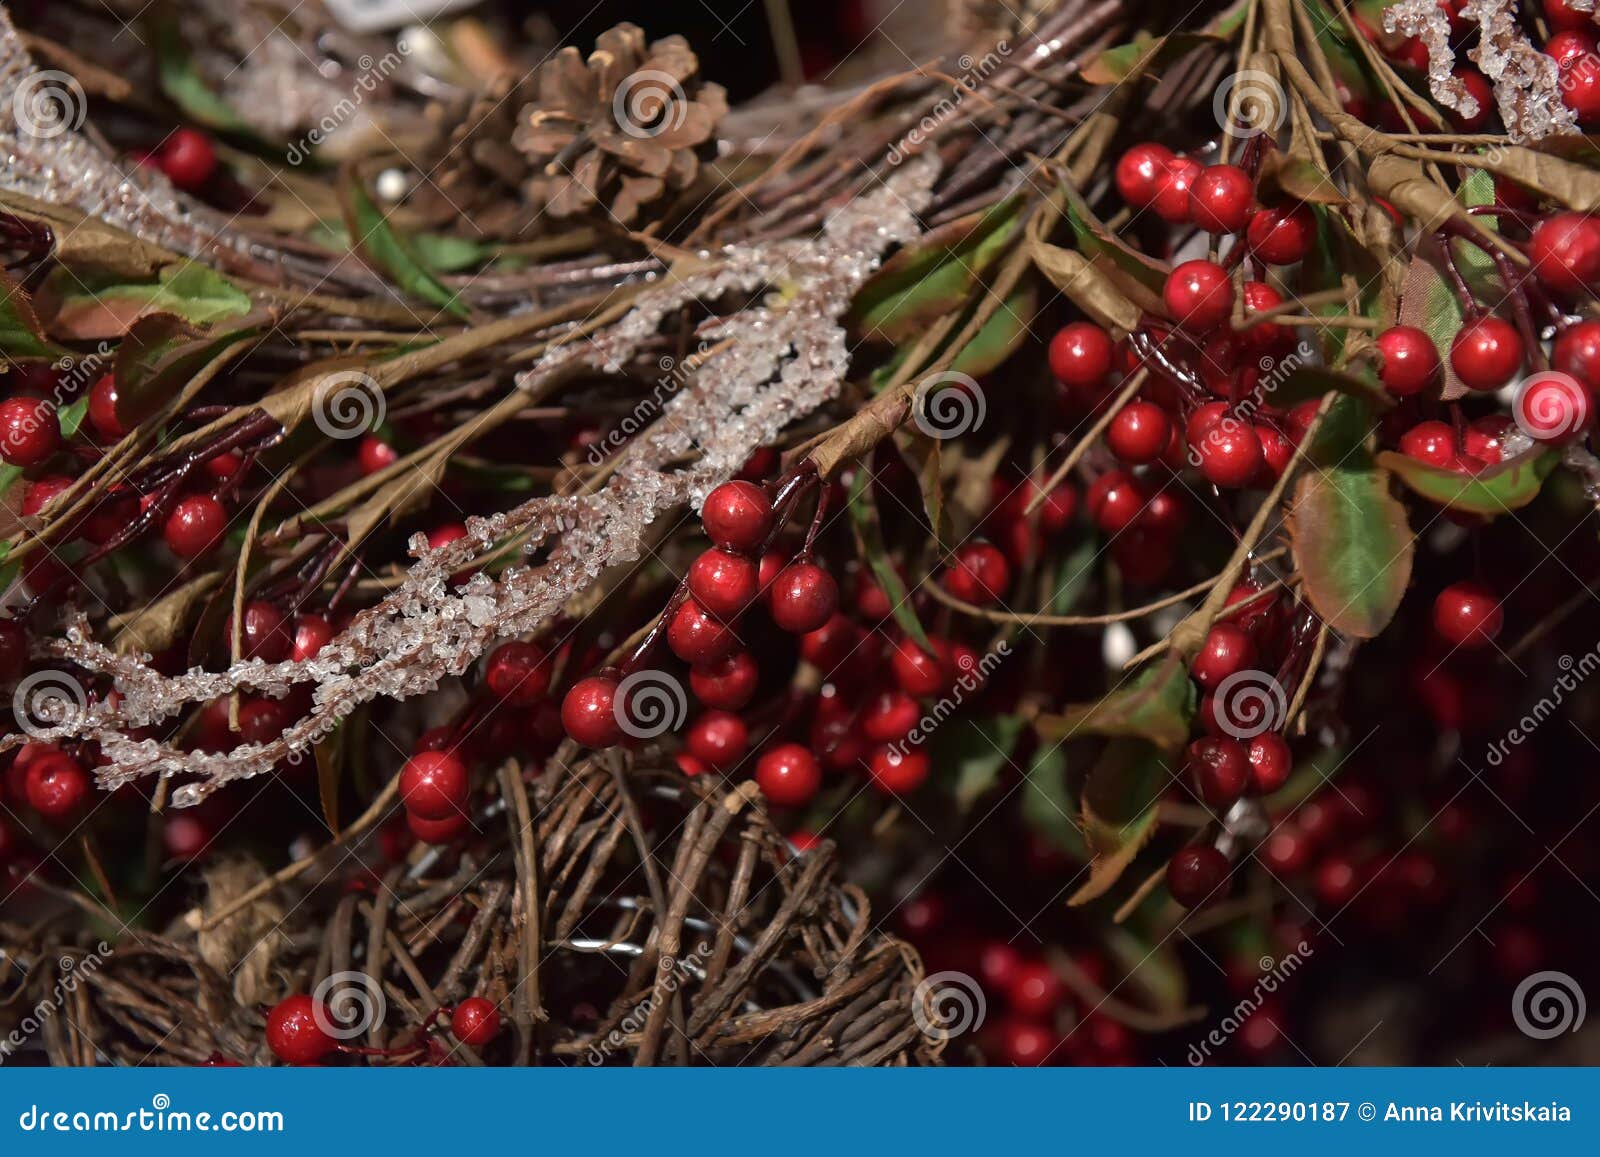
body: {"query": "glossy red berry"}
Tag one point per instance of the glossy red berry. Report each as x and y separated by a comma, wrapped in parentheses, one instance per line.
(719, 739)
(1270, 763)
(724, 583)
(1227, 650)
(697, 637)
(30, 431)
(1562, 16)
(589, 712)
(298, 1030)
(374, 454)
(1140, 172)
(1477, 86)
(898, 772)
(1410, 360)
(1230, 453)
(978, 574)
(1433, 443)
(889, 716)
(1115, 499)
(1025, 1044)
(803, 597)
(1198, 295)
(40, 493)
(475, 1022)
(831, 644)
(1577, 352)
(1171, 201)
(1467, 615)
(738, 516)
(1197, 875)
(1035, 989)
(1579, 70)
(1487, 353)
(265, 633)
(1287, 851)
(1570, 45)
(1219, 199)
(195, 525)
(1139, 433)
(434, 784)
(788, 775)
(57, 787)
(728, 683)
(188, 158)
(1080, 355)
(518, 673)
(1336, 882)
(1220, 768)
(1564, 250)
(103, 409)
(1281, 236)
(919, 673)
(438, 832)
(311, 634)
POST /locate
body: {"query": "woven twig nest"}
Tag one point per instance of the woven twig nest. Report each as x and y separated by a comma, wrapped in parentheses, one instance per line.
(675, 925)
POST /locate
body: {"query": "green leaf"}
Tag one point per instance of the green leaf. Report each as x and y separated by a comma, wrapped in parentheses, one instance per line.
(1156, 705)
(1508, 486)
(977, 749)
(869, 540)
(1144, 53)
(1154, 968)
(392, 254)
(1349, 534)
(21, 332)
(197, 294)
(157, 359)
(1307, 382)
(998, 338)
(444, 254)
(1073, 574)
(71, 417)
(186, 88)
(1046, 807)
(935, 277)
(1119, 811)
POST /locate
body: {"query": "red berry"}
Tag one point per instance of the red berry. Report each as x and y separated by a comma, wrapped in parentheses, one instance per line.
(1579, 75)
(998, 964)
(195, 525)
(728, 683)
(788, 775)
(1140, 172)
(889, 716)
(1431, 442)
(1219, 199)
(1165, 515)
(1197, 875)
(265, 634)
(589, 712)
(1115, 500)
(1486, 436)
(1337, 882)
(1171, 201)
(719, 739)
(1267, 339)
(1035, 989)
(1270, 763)
(1227, 650)
(1283, 235)
(311, 634)
(723, 582)
(103, 409)
(1561, 16)
(1230, 453)
(978, 574)
(1477, 87)
(1486, 353)
(263, 720)
(1220, 767)
(1139, 433)
(1080, 355)
(39, 494)
(184, 836)
(737, 515)
(1467, 615)
(298, 1030)
(695, 637)
(1410, 360)
(30, 431)
(897, 772)
(438, 832)
(1025, 1044)
(1276, 450)
(830, 645)
(1577, 352)
(803, 597)
(1550, 407)
(1198, 295)
(225, 465)
(1565, 252)
(434, 784)
(919, 673)
(374, 454)
(1287, 851)
(518, 673)
(57, 787)
(188, 158)
(475, 1022)
(1569, 45)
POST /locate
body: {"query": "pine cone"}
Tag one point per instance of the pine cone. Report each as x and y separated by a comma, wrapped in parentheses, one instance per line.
(619, 131)
(476, 175)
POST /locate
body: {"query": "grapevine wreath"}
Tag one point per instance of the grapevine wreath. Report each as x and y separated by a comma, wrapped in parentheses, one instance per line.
(1022, 549)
